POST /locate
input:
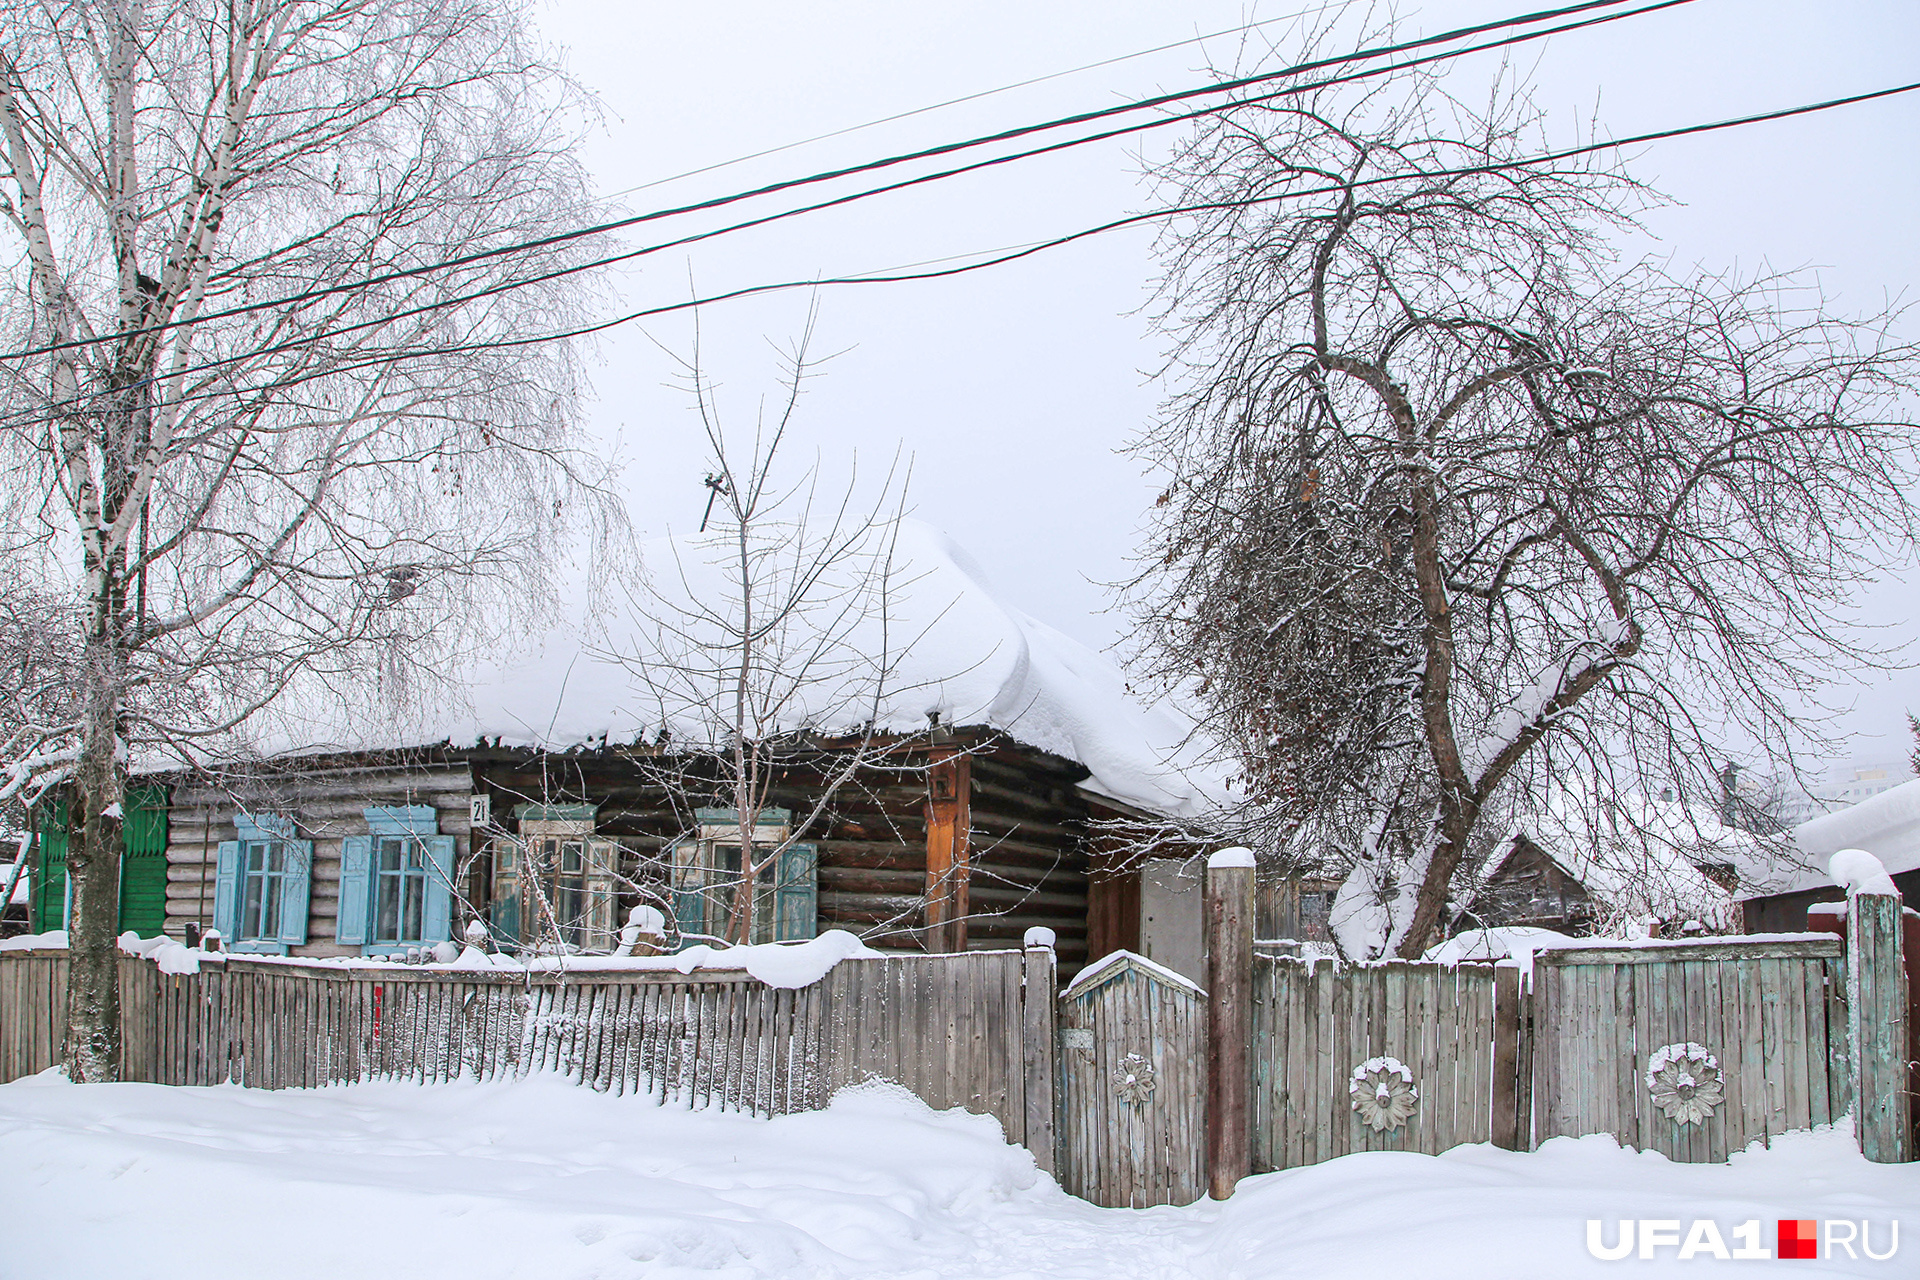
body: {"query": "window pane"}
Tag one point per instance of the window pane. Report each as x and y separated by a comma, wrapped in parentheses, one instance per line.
(250, 910)
(570, 862)
(387, 918)
(416, 897)
(269, 924)
(390, 854)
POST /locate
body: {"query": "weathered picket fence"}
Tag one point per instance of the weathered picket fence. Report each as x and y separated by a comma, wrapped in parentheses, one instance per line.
(954, 1029)
(1147, 1088)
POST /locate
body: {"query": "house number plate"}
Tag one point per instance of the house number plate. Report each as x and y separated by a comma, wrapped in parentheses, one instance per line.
(1077, 1037)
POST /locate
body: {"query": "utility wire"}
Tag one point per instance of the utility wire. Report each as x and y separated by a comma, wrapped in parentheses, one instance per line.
(975, 97)
(903, 184)
(390, 357)
(717, 202)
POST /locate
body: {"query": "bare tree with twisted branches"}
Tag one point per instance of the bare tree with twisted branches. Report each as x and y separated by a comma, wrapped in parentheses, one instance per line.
(1462, 502)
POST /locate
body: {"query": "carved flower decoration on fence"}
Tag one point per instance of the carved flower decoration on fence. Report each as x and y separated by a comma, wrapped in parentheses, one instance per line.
(1686, 1082)
(1383, 1093)
(1133, 1080)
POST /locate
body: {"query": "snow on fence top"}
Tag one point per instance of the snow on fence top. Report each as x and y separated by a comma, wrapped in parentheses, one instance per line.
(963, 655)
(788, 965)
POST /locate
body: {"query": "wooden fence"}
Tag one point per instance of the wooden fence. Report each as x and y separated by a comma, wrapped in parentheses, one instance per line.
(1317, 1023)
(1164, 1090)
(951, 1028)
(1771, 1017)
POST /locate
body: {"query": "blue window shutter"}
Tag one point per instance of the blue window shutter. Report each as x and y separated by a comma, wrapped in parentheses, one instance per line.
(226, 891)
(356, 882)
(294, 893)
(796, 897)
(436, 924)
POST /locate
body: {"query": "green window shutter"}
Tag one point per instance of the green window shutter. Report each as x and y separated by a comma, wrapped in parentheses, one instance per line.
(689, 889)
(47, 899)
(503, 918)
(356, 885)
(226, 891)
(796, 898)
(144, 832)
(294, 893)
(436, 920)
(143, 869)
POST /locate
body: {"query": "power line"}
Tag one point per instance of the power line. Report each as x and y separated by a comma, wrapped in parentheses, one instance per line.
(922, 179)
(975, 97)
(1365, 55)
(1013, 255)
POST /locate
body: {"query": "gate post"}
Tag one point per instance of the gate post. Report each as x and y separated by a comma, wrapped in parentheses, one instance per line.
(1229, 925)
(1877, 1026)
(1038, 1020)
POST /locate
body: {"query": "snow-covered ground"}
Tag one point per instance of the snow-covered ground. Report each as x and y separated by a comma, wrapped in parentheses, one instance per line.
(541, 1178)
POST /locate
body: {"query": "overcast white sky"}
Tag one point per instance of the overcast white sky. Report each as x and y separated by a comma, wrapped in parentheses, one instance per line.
(1013, 388)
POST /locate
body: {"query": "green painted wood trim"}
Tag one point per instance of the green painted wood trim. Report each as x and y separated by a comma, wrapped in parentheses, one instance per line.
(555, 812)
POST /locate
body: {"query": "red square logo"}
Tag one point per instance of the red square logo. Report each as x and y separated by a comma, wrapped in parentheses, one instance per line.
(1799, 1238)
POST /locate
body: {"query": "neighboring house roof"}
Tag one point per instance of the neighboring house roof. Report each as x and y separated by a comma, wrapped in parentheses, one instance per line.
(1886, 825)
(965, 654)
(1645, 859)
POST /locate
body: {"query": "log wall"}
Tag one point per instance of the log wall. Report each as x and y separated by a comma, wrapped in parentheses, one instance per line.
(327, 802)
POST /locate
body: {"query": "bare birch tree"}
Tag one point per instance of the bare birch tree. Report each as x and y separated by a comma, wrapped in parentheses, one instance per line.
(769, 646)
(255, 472)
(1459, 499)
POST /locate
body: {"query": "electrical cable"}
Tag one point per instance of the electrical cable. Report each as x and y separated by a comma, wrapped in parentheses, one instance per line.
(926, 153)
(389, 357)
(974, 97)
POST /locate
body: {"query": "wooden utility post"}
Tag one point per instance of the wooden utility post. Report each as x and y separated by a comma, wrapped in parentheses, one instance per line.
(1039, 974)
(1229, 929)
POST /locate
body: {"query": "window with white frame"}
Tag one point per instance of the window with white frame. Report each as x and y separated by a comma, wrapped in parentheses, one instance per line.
(555, 884)
(709, 874)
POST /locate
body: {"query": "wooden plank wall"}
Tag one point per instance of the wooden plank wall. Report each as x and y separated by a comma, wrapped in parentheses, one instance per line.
(327, 802)
(1771, 1013)
(1028, 849)
(1125, 1154)
(950, 1028)
(1315, 1021)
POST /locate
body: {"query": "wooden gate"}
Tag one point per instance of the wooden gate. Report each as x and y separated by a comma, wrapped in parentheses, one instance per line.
(1395, 1056)
(1133, 1080)
(1769, 1019)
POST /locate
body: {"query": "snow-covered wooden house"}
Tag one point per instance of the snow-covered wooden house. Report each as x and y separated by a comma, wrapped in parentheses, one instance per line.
(534, 798)
(1886, 825)
(1577, 868)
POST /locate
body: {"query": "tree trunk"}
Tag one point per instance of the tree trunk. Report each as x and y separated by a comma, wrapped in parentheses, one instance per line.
(93, 874)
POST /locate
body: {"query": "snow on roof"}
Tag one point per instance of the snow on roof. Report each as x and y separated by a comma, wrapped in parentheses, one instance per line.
(1886, 825)
(1644, 858)
(963, 653)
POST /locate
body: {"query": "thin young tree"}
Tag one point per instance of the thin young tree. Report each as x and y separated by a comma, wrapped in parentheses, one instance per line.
(257, 474)
(769, 643)
(1462, 500)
